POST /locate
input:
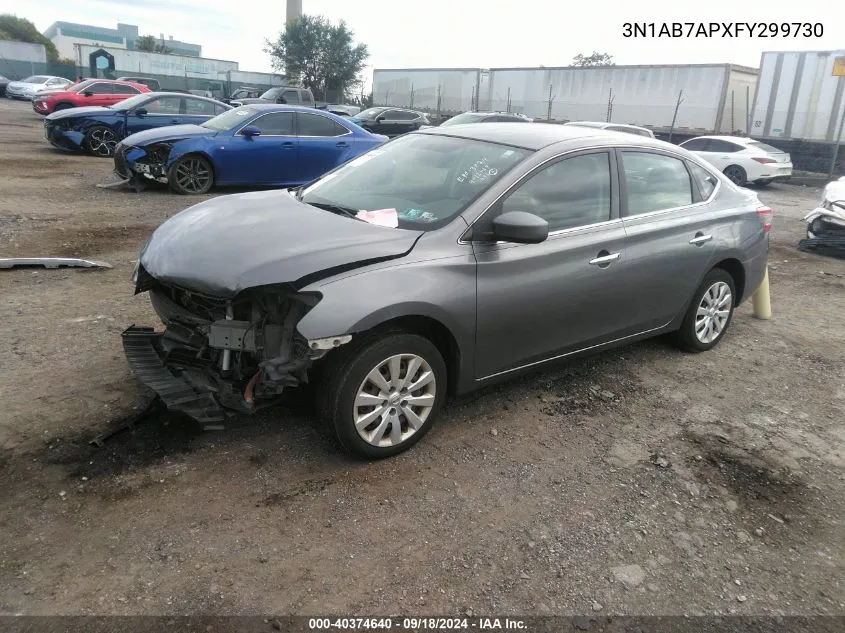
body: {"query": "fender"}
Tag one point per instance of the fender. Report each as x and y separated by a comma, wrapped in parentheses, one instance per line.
(439, 289)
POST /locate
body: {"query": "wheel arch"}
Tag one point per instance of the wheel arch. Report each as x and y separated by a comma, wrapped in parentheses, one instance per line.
(192, 151)
(736, 270)
(435, 331)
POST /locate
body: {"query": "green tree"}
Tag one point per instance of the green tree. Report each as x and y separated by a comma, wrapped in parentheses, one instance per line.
(21, 30)
(319, 55)
(150, 44)
(596, 59)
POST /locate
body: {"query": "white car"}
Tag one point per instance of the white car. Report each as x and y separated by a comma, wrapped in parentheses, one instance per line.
(741, 159)
(614, 127)
(27, 88)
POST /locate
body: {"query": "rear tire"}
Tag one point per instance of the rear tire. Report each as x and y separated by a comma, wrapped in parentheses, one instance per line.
(709, 314)
(191, 175)
(368, 395)
(736, 175)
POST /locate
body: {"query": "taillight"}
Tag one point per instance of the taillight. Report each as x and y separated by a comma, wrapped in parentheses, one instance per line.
(764, 161)
(765, 215)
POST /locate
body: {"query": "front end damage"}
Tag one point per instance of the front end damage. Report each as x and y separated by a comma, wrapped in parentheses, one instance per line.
(142, 164)
(218, 355)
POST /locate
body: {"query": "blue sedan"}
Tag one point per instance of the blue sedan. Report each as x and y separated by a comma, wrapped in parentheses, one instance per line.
(253, 145)
(97, 130)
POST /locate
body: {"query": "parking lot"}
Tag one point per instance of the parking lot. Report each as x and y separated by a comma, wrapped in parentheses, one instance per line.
(640, 481)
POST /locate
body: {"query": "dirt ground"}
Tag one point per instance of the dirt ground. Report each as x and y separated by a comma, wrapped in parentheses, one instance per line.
(641, 481)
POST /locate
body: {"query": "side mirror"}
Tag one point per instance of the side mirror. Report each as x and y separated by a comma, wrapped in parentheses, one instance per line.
(140, 111)
(87, 93)
(250, 130)
(281, 100)
(520, 227)
(380, 119)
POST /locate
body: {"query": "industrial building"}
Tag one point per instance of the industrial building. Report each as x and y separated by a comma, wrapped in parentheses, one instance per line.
(65, 34)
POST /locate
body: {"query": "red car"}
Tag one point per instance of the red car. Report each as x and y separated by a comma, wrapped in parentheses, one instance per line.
(91, 92)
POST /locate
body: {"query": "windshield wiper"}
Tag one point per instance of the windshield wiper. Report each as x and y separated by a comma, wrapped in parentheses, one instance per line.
(336, 208)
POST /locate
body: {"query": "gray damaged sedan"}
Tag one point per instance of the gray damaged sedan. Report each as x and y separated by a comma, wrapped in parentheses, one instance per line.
(493, 248)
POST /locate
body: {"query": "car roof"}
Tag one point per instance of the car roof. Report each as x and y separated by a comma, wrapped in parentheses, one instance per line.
(605, 124)
(535, 136)
(280, 107)
(163, 93)
(732, 139)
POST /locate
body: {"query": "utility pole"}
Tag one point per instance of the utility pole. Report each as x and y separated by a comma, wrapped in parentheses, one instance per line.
(675, 115)
(733, 127)
(411, 97)
(438, 102)
(610, 99)
(509, 100)
(748, 110)
(551, 99)
(836, 145)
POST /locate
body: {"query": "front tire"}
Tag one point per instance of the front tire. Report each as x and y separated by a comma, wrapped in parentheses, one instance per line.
(100, 141)
(383, 396)
(709, 313)
(62, 106)
(191, 175)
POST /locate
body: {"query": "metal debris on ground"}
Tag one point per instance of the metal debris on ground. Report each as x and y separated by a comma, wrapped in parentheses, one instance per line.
(51, 262)
(154, 406)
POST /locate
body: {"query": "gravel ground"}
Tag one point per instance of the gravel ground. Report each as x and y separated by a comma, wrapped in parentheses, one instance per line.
(642, 481)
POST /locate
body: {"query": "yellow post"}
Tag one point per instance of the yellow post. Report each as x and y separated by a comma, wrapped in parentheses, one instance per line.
(761, 299)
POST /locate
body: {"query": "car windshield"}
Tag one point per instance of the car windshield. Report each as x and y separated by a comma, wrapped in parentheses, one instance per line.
(766, 148)
(425, 179)
(272, 94)
(466, 117)
(131, 102)
(229, 119)
(370, 113)
(35, 79)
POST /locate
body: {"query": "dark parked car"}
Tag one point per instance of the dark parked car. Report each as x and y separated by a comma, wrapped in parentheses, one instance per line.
(244, 92)
(266, 145)
(97, 130)
(284, 95)
(486, 117)
(152, 84)
(502, 247)
(391, 121)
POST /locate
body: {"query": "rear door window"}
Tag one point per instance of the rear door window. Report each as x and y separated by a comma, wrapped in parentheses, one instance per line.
(316, 125)
(275, 124)
(122, 89)
(100, 89)
(724, 147)
(696, 145)
(655, 182)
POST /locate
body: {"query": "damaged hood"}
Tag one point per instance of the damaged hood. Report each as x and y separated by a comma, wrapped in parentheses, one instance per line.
(71, 113)
(167, 133)
(230, 243)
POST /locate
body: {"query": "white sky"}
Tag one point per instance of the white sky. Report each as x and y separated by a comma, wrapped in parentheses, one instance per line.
(458, 33)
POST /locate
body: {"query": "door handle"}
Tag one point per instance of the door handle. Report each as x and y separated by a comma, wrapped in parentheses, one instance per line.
(604, 258)
(700, 238)
(342, 144)
(287, 145)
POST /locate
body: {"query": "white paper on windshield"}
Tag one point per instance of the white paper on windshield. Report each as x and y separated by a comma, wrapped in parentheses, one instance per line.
(381, 217)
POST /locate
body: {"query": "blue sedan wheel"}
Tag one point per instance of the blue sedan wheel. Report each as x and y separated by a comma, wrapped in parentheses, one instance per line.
(100, 141)
(191, 175)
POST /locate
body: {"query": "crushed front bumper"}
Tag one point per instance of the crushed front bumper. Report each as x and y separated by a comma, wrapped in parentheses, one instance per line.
(146, 358)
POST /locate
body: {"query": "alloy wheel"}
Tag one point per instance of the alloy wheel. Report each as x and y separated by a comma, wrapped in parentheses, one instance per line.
(102, 141)
(713, 312)
(394, 400)
(193, 175)
(736, 175)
